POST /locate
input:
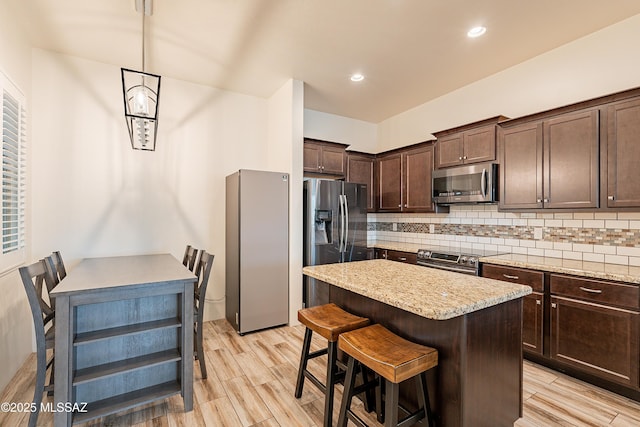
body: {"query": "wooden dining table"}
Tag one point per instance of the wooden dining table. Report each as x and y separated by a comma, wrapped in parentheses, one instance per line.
(123, 336)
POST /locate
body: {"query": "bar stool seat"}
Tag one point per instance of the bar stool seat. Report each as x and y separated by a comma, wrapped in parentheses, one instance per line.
(329, 321)
(392, 358)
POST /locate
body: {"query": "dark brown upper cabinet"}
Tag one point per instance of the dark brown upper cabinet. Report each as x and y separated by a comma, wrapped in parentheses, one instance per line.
(323, 157)
(404, 179)
(360, 169)
(551, 163)
(472, 143)
(623, 153)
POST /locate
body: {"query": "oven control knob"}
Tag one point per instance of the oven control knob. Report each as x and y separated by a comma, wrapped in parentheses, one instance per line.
(463, 259)
(473, 261)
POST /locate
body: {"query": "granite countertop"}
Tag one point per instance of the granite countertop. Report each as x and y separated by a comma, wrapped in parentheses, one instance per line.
(427, 292)
(595, 270)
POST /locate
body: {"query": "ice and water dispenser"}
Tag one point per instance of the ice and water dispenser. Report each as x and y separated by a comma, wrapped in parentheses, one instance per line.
(323, 226)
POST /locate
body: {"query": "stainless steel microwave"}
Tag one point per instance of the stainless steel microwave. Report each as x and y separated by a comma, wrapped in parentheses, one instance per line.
(466, 184)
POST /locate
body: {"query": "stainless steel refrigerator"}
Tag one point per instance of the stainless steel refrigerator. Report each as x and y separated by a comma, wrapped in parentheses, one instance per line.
(257, 250)
(335, 227)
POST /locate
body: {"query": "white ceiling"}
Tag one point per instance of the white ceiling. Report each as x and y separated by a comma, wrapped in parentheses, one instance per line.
(411, 51)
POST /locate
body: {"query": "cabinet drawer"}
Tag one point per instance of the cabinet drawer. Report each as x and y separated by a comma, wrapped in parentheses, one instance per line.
(532, 278)
(617, 294)
(408, 257)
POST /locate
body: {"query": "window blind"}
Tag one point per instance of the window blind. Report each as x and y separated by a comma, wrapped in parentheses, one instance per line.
(13, 182)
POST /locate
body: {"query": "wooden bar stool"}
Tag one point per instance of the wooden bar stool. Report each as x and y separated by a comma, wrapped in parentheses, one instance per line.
(329, 321)
(394, 359)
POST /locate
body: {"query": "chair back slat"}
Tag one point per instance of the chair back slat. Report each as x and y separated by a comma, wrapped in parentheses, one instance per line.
(203, 272)
(59, 264)
(33, 276)
(190, 258)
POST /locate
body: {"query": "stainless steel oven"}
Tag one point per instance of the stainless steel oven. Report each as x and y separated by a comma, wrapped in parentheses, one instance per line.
(466, 184)
(459, 260)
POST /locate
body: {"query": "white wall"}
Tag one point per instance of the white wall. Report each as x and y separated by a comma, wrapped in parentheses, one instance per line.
(361, 135)
(16, 326)
(285, 141)
(94, 196)
(598, 64)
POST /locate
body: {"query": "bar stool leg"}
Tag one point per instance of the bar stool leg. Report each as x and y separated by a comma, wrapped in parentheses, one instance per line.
(391, 404)
(304, 358)
(332, 355)
(424, 393)
(349, 382)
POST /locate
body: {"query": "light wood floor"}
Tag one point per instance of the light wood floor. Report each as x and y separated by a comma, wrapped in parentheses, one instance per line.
(252, 378)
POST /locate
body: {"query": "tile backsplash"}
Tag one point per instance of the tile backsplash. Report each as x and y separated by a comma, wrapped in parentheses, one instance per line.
(600, 237)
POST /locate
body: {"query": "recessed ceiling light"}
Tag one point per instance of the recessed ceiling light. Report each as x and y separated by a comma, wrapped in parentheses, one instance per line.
(476, 31)
(357, 77)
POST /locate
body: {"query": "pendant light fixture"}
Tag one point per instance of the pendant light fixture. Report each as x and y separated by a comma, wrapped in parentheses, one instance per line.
(141, 92)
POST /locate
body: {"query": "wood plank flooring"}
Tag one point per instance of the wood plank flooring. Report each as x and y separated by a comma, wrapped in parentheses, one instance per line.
(252, 379)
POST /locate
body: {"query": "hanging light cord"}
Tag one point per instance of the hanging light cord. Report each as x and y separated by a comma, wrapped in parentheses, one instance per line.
(144, 6)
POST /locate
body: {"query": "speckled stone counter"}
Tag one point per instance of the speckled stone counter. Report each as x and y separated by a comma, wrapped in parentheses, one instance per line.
(427, 292)
(596, 270)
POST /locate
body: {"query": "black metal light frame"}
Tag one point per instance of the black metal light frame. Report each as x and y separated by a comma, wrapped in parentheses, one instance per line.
(142, 126)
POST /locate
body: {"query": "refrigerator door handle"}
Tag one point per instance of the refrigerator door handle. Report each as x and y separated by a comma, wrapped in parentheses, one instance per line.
(346, 222)
(341, 226)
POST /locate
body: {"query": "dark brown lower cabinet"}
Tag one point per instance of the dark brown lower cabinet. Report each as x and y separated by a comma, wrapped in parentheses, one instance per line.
(595, 338)
(400, 256)
(588, 328)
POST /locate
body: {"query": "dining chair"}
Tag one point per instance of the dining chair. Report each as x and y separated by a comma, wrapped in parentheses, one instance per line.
(55, 273)
(33, 277)
(190, 258)
(203, 271)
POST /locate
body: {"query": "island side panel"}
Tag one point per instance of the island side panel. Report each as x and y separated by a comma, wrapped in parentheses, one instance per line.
(478, 380)
(492, 367)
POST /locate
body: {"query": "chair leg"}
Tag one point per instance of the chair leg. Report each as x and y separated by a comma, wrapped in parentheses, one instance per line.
(391, 404)
(200, 351)
(332, 355)
(347, 394)
(52, 375)
(379, 406)
(304, 357)
(41, 374)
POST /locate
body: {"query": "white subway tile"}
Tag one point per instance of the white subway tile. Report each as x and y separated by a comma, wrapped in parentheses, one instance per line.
(491, 221)
(528, 243)
(497, 241)
(553, 223)
(545, 215)
(491, 248)
(535, 252)
(575, 223)
(605, 215)
(616, 259)
(511, 242)
(593, 223)
(603, 249)
(628, 251)
(535, 222)
(519, 222)
(582, 215)
(616, 224)
(628, 215)
(505, 249)
(528, 215)
(507, 222)
(563, 215)
(471, 239)
(478, 246)
(517, 250)
(634, 225)
(581, 247)
(472, 214)
(593, 257)
(538, 233)
(484, 240)
(561, 246)
(541, 244)
(572, 255)
(484, 214)
(497, 215)
(552, 253)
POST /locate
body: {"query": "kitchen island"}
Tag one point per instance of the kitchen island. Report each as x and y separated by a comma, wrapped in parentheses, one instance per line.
(474, 323)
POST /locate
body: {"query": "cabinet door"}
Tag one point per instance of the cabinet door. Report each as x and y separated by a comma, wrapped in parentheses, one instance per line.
(312, 160)
(360, 170)
(595, 338)
(532, 312)
(479, 145)
(390, 183)
(571, 161)
(418, 166)
(623, 147)
(333, 160)
(449, 151)
(520, 149)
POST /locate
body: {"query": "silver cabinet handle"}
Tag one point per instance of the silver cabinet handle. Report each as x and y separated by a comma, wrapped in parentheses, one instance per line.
(508, 276)
(553, 305)
(399, 206)
(402, 258)
(483, 183)
(539, 200)
(611, 198)
(464, 157)
(545, 200)
(591, 291)
(538, 302)
(459, 158)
